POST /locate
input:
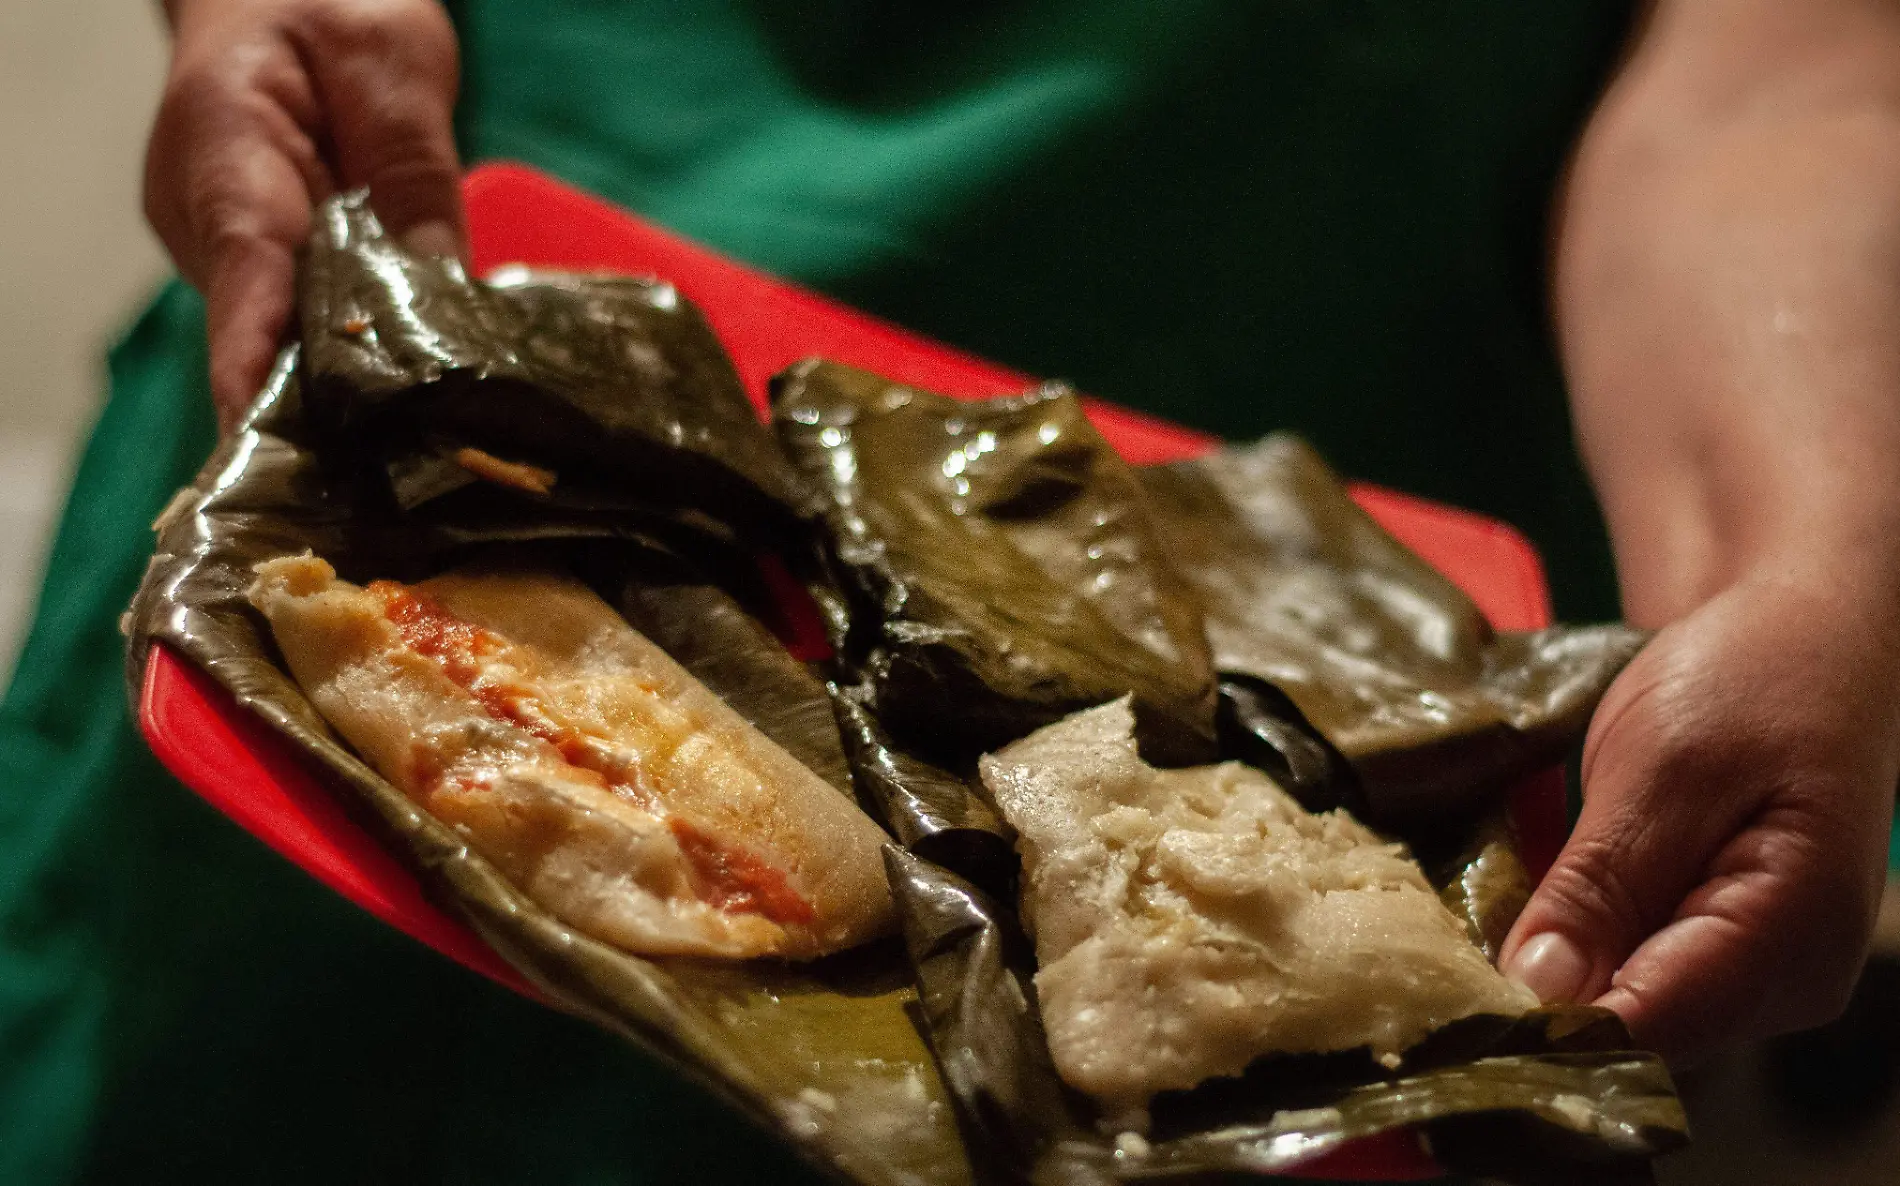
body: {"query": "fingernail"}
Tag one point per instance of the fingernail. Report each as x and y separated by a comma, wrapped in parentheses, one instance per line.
(1551, 966)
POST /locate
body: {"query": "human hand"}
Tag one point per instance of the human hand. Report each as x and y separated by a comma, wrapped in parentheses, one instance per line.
(1739, 782)
(270, 106)
(1727, 240)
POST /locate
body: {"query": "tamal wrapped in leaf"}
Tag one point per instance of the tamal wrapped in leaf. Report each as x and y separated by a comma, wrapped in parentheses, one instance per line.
(1190, 921)
(823, 1055)
(579, 758)
(996, 560)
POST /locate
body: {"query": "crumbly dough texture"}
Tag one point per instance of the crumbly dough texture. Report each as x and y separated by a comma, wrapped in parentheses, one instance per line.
(1189, 921)
(605, 856)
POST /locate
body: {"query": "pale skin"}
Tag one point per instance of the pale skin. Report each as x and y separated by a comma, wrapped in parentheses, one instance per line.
(1726, 277)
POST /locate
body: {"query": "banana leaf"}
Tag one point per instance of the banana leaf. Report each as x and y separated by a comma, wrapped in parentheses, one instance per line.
(601, 389)
(936, 814)
(1390, 662)
(995, 556)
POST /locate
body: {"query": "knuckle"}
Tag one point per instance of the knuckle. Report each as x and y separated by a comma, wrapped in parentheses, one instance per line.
(226, 242)
(1588, 883)
(344, 26)
(230, 227)
(192, 93)
(416, 32)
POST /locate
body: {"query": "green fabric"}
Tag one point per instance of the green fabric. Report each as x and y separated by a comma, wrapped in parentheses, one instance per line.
(1314, 214)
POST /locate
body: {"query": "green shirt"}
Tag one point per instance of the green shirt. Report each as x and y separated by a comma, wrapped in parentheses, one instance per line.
(1314, 214)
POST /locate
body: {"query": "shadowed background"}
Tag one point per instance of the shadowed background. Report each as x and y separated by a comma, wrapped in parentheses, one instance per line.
(78, 84)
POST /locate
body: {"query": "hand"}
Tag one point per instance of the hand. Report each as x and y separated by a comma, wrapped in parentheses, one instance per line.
(1727, 241)
(271, 105)
(1739, 781)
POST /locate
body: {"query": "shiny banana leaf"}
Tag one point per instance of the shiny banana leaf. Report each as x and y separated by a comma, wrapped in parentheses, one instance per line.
(582, 392)
(1390, 662)
(997, 557)
(824, 1055)
(935, 814)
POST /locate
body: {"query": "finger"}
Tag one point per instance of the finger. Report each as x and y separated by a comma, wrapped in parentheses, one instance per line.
(1772, 942)
(250, 212)
(248, 303)
(387, 77)
(1648, 829)
(231, 173)
(218, 120)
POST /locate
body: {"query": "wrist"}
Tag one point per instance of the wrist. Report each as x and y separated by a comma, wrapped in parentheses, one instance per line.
(1841, 548)
(1730, 330)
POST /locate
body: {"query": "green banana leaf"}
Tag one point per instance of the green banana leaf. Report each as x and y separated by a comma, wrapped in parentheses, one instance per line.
(996, 556)
(1390, 662)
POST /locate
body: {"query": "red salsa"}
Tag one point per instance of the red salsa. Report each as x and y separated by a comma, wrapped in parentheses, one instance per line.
(727, 877)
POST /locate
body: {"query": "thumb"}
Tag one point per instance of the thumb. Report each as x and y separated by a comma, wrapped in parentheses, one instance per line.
(1722, 876)
(1611, 887)
(1644, 837)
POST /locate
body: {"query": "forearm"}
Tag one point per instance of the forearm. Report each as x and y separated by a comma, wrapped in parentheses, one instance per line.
(1728, 299)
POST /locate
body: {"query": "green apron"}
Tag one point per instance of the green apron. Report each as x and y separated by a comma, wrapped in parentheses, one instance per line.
(1315, 214)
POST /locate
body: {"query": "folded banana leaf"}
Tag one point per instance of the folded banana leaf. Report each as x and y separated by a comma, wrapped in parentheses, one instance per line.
(1390, 662)
(996, 557)
(941, 816)
(824, 1055)
(586, 391)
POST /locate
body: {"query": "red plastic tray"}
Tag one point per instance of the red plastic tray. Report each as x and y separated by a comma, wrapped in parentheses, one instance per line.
(517, 215)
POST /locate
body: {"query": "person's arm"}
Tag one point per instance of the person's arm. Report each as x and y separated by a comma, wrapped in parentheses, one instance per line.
(270, 106)
(1727, 286)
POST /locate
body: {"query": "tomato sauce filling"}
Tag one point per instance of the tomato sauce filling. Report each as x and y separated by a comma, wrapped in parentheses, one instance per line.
(727, 877)
(733, 879)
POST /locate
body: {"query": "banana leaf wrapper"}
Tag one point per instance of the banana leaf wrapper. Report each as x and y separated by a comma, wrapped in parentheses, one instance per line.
(1394, 667)
(938, 815)
(824, 1055)
(615, 388)
(997, 557)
